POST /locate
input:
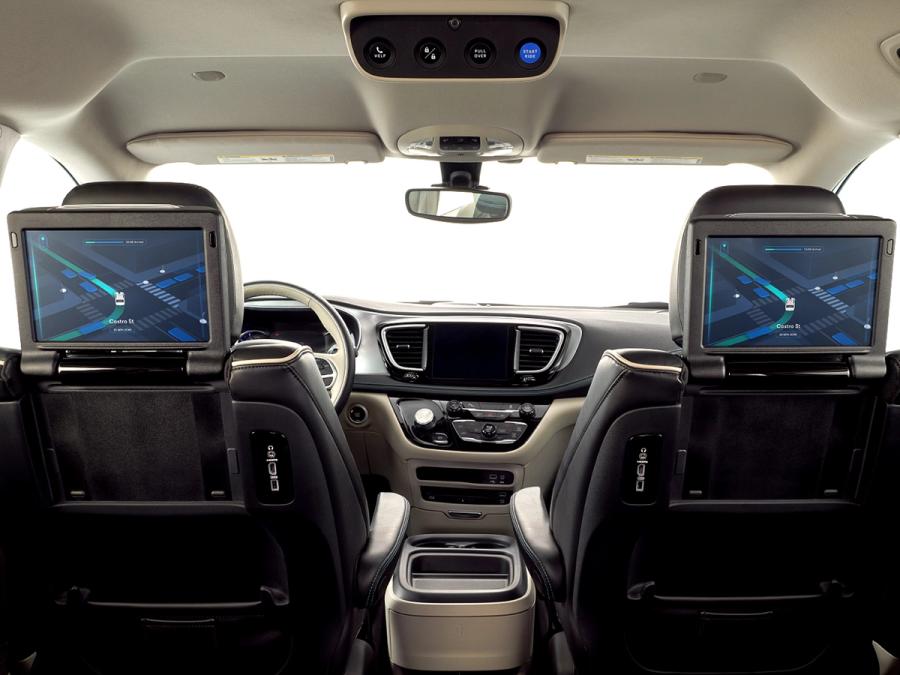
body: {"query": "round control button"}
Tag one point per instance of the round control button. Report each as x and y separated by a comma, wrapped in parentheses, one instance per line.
(379, 53)
(430, 53)
(480, 53)
(488, 431)
(454, 408)
(424, 417)
(531, 54)
(526, 411)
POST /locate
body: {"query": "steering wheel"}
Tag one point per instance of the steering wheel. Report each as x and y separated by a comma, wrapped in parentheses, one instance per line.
(343, 359)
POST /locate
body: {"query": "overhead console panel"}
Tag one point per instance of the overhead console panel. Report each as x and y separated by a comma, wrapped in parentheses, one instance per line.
(454, 40)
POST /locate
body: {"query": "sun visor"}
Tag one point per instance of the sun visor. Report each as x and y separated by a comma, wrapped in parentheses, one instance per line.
(662, 148)
(264, 147)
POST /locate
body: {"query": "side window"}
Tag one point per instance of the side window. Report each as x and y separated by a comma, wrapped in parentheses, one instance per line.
(32, 178)
(872, 190)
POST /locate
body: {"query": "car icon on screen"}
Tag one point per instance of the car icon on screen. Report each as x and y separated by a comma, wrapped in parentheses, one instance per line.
(790, 304)
(120, 299)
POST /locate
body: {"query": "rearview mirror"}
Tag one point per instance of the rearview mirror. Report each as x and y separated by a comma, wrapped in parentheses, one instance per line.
(455, 205)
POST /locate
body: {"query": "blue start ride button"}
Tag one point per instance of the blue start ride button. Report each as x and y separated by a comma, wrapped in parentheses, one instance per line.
(530, 53)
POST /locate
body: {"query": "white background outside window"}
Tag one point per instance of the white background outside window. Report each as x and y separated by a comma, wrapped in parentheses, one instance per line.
(577, 235)
(32, 178)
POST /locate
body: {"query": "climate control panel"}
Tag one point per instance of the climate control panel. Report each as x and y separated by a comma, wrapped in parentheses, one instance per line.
(467, 425)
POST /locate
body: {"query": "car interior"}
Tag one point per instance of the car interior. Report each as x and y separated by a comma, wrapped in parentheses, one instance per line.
(268, 407)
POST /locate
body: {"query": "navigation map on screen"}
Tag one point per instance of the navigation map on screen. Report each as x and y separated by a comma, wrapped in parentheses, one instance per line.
(790, 291)
(117, 285)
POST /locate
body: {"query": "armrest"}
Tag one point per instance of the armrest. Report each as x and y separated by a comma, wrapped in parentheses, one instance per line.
(543, 558)
(387, 531)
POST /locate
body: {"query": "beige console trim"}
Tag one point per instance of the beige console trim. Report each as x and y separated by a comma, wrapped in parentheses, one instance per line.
(505, 608)
(561, 414)
(458, 637)
(380, 446)
(419, 502)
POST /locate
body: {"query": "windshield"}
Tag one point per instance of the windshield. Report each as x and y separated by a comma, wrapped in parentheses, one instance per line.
(576, 235)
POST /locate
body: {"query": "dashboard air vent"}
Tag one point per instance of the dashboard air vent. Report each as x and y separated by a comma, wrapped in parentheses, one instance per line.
(536, 349)
(405, 346)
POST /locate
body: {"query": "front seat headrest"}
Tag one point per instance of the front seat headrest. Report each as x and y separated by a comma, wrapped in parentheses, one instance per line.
(175, 194)
(140, 192)
(731, 199)
(735, 199)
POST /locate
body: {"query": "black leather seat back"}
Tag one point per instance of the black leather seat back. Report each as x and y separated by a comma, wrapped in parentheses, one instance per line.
(716, 527)
(158, 548)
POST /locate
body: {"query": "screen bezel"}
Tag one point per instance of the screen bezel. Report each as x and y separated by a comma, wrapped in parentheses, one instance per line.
(40, 357)
(709, 361)
(706, 294)
(77, 344)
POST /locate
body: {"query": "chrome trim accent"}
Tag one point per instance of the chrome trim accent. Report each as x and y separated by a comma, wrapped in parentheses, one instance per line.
(540, 329)
(387, 349)
(642, 366)
(465, 515)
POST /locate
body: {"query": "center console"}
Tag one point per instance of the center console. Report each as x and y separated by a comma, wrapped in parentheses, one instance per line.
(460, 603)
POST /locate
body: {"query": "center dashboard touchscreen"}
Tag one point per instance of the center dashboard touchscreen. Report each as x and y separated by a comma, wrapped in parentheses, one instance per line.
(471, 352)
(117, 285)
(784, 292)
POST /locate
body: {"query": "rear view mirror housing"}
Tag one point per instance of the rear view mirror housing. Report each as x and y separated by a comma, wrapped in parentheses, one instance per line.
(458, 205)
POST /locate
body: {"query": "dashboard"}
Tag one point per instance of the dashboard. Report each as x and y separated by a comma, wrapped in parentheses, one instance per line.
(456, 407)
(296, 324)
(282, 320)
(468, 352)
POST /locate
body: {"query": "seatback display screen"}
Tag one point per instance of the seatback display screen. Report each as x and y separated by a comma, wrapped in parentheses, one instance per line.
(783, 292)
(110, 285)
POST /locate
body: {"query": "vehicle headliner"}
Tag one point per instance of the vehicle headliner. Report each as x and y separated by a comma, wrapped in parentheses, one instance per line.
(82, 79)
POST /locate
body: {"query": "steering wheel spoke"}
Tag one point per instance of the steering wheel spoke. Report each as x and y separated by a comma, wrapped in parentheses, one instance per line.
(329, 368)
(336, 367)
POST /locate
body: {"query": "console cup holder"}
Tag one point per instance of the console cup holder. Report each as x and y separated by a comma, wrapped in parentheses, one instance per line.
(460, 568)
(468, 543)
(459, 572)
